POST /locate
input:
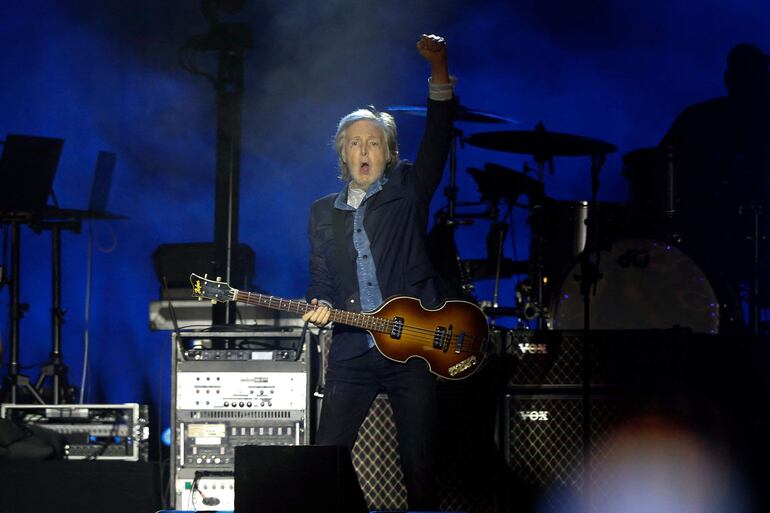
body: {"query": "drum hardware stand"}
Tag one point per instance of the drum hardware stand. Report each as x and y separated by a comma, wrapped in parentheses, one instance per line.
(542, 156)
(755, 211)
(497, 233)
(450, 191)
(495, 239)
(672, 234)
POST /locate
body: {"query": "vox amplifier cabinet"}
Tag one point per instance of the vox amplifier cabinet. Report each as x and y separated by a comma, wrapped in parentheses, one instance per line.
(552, 359)
(90, 431)
(617, 358)
(543, 444)
(231, 389)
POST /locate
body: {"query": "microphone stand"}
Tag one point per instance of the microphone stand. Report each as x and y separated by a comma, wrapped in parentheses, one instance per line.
(542, 156)
(589, 276)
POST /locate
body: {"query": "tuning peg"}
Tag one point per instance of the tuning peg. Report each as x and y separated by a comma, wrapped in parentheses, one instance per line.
(213, 301)
(219, 278)
(206, 275)
(200, 299)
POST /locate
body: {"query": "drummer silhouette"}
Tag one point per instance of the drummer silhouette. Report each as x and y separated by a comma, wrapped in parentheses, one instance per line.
(721, 151)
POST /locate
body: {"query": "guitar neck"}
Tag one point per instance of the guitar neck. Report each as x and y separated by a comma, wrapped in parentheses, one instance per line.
(359, 320)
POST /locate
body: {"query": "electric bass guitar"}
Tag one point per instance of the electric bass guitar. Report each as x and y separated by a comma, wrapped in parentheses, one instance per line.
(453, 339)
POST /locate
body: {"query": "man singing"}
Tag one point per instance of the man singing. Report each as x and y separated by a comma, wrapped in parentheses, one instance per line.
(367, 244)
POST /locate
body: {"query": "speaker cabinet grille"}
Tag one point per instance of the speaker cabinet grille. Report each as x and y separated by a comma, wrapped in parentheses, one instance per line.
(554, 359)
(544, 445)
(376, 460)
(547, 358)
(461, 482)
(465, 480)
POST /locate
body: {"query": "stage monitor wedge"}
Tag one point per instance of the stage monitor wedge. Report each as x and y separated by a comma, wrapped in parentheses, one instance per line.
(293, 479)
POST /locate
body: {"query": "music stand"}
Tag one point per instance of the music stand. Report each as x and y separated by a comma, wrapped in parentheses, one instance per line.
(63, 219)
(27, 168)
(100, 187)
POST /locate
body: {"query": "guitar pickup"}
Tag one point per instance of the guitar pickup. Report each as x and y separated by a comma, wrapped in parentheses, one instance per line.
(459, 345)
(447, 339)
(439, 336)
(398, 328)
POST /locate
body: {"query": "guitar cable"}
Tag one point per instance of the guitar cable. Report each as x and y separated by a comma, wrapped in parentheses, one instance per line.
(301, 342)
(89, 271)
(89, 279)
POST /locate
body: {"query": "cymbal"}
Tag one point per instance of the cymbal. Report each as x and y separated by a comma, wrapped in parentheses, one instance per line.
(462, 113)
(485, 269)
(496, 182)
(540, 143)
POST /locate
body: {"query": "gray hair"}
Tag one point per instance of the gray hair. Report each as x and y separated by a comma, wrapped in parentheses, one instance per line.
(386, 123)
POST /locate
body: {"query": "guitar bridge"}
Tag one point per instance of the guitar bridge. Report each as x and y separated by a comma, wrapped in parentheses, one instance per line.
(464, 365)
(398, 328)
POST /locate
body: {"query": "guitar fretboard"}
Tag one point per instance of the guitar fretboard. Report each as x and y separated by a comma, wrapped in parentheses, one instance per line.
(359, 320)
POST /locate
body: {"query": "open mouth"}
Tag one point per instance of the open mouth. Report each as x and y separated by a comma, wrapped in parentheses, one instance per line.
(364, 167)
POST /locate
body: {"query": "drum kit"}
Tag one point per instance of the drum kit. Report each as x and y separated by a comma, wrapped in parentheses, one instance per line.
(628, 264)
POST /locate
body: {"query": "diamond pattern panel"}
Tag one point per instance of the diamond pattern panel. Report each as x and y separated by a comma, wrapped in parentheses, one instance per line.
(378, 466)
(545, 443)
(376, 460)
(553, 358)
(620, 358)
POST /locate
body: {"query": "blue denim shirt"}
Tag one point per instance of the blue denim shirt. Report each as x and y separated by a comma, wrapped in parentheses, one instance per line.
(368, 286)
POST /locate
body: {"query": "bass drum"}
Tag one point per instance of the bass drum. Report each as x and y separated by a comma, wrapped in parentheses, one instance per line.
(644, 284)
(559, 234)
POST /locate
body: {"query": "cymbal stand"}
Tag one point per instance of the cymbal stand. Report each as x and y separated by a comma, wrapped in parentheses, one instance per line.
(589, 267)
(542, 157)
(55, 368)
(755, 211)
(14, 380)
(495, 240)
(450, 191)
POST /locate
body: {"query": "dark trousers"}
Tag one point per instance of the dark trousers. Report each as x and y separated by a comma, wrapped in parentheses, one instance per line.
(352, 385)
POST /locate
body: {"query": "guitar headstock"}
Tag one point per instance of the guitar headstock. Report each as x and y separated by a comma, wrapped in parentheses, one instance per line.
(215, 290)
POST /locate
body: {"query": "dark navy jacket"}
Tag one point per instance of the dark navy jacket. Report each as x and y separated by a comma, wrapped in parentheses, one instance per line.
(396, 223)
